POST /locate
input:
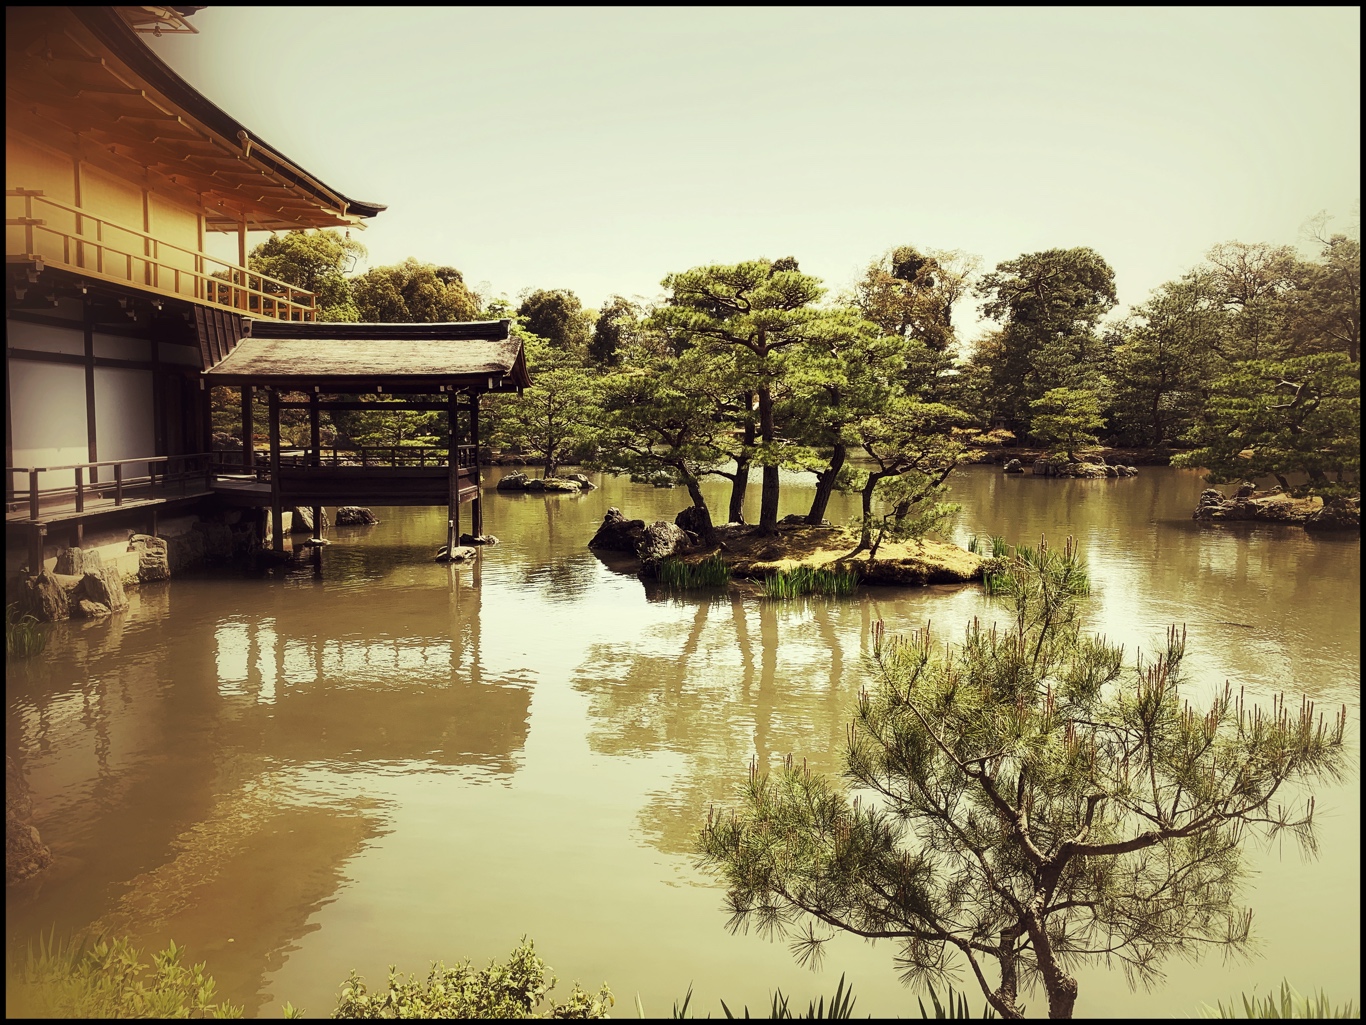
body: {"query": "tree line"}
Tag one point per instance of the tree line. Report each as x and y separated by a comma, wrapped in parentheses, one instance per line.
(1248, 364)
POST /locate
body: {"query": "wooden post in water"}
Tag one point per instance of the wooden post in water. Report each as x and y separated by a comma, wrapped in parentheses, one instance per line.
(314, 439)
(453, 475)
(277, 509)
(477, 513)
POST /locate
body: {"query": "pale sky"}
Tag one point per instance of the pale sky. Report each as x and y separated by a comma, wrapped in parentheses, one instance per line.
(601, 149)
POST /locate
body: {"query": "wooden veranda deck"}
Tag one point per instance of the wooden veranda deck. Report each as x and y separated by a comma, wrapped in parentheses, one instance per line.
(392, 475)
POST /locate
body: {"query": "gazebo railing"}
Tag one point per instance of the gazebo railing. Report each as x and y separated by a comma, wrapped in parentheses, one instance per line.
(369, 456)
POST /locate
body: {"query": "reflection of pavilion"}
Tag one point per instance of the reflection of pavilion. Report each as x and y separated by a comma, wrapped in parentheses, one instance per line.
(219, 781)
(305, 689)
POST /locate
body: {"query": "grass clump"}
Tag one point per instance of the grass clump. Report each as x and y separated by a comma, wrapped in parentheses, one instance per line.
(804, 581)
(68, 979)
(1286, 1004)
(512, 990)
(23, 636)
(686, 576)
(994, 547)
(841, 1005)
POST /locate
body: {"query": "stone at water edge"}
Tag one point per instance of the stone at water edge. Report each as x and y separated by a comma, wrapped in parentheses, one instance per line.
(1013, 466)
(660, 540)
(512, 482)
(1337, 514)
(303, 520)
(355, 515)
(153, 557)
(617, 533)
(582, 480)
(478, 539)
(71, 562)
(460, 553)
(105, 588)
(696, 522)
(93, 609)
(47, 598)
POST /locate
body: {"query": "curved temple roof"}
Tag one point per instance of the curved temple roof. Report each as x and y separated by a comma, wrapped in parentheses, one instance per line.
(361, 357)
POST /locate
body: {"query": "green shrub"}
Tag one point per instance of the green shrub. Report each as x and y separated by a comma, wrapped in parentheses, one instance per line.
(512, 990)
(109, 980)
(804, 580)
(1286, 1004)
(23, 635)
(709, 572)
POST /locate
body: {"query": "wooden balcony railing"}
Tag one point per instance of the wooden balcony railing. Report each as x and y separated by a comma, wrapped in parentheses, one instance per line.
(158, 477)
(157, 268)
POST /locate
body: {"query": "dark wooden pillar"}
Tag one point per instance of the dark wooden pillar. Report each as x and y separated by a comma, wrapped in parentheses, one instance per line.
(477, 512)
(159, 444)
(92, 444)
(248, 427)
(453, 468)
(315, 440)
(277, 509)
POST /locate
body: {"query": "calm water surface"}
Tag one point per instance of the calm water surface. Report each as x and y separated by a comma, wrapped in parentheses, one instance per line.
(399, 761)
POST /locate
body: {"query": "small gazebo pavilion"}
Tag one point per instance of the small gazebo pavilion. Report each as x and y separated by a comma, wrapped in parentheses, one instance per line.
(371, 367)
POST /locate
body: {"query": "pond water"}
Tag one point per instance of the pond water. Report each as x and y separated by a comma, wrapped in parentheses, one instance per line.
(397, 761)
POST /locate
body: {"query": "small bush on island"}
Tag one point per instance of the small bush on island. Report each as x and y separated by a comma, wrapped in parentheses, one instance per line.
(1040, 804)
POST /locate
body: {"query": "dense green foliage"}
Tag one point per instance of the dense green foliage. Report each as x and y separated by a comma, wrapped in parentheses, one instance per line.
(1250, 361)
(1283, 417)
(516, 989)
(413, 292)
(109, 980)
(317, 261)
(1049, 305)
(1036, 803)
(1065, 418)
(558, 317)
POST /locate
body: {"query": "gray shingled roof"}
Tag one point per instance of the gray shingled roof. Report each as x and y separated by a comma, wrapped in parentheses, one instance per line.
(299, 355)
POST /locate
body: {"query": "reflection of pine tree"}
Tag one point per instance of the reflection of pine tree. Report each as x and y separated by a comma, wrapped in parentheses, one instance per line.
(698, 687)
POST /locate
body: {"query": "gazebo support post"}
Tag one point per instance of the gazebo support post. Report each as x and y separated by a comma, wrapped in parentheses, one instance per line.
(315, 440)
(453, 466)
(477, 512)
(277, 509)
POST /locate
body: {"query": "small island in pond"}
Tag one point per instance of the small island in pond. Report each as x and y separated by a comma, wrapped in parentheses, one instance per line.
(750, 553)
